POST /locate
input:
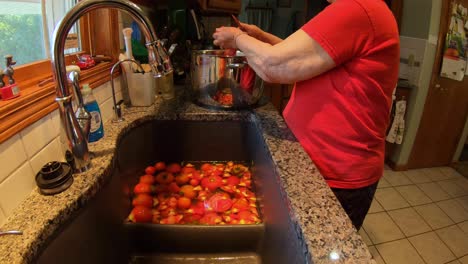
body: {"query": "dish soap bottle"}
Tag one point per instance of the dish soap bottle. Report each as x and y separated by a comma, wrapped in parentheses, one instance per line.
(90, 104)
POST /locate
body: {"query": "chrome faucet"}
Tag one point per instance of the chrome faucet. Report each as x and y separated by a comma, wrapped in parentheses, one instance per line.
(158, 58)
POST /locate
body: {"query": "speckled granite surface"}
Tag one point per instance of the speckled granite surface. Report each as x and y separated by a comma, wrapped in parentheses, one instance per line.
(316, 214)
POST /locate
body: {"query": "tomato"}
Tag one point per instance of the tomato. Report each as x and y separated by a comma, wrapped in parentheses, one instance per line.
(229, 188)
(240, 204)
(149, 179)
(246, 217)
(211, 219)
(171, 220)
(219, 202)
(196, 175)
(159, 166)
(189, 168)
(184, 203)
(173, 168)
(143, 188)
(212, 182)
(173, 187)
(161, 188)
(206, 167)
(141, 214)
(150, 170)
(198, 208)
(172, 202)
(247, 175)
(163, 197)
(182, 179)
(143, 199)
(188, 191)
(192, 218)
(245, 183)
(194, 182)
(238, 169)
(233, 180)
(164, 177)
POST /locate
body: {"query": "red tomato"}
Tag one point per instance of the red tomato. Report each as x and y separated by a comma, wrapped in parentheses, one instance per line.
(206, 167)
(233, 180)
(163, 197)
(188, 191)
(173, 168)
(196, 175)
(141, 214)
(192, 218)
(247, 217)
(182, 179)
(172, 202)
(211, 219)
(159, 166)
(184, 203)
(150, 170)
(229, 188)
(194, 182)
(161, 188)
(219, 202)
(189, 168)
(240, 204)
(212, 182)
(198, 208)
(171, 220)
(143, 199)
(149, 179)
(143, 188)
(173, 187)
(164, 177)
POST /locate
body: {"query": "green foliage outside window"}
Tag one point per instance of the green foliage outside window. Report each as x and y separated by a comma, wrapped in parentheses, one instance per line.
(22, 36)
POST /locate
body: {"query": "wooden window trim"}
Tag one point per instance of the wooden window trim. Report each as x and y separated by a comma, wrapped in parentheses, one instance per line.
(36, 82)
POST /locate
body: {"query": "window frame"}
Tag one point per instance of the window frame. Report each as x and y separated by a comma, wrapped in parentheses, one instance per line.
(36, 82)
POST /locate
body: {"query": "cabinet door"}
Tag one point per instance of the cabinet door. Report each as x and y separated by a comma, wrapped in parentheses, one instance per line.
(228, 6)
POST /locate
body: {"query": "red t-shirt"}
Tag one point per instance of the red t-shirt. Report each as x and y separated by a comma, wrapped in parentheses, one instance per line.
(340, 117)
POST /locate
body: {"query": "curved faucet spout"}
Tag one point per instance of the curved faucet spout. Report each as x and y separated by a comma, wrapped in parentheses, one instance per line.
(158, 60)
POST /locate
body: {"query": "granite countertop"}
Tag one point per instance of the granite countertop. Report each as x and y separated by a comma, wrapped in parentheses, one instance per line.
(315, 212)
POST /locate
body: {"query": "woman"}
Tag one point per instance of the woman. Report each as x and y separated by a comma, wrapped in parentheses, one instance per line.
(344, 63)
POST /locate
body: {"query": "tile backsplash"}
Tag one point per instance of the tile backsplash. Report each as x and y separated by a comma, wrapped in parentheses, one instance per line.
(24, 154)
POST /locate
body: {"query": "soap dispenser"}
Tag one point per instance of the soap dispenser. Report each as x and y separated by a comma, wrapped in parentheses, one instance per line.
(97, 129)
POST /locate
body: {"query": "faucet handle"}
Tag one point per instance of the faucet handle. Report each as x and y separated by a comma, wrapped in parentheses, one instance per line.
(159, 59)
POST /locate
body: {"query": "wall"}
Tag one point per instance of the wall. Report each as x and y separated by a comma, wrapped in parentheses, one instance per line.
(23, 155)
(428, 32)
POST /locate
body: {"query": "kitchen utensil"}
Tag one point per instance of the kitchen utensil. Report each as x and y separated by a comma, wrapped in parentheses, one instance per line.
(236, 20)
(11, 232)
(224, 81)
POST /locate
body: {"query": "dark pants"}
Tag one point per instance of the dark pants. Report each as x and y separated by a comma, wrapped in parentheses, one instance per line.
(356, 202)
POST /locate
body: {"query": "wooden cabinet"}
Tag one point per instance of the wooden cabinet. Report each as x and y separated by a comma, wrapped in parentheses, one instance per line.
(221, 6)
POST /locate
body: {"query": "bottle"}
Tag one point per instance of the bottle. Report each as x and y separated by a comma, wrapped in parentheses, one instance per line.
(90, 104)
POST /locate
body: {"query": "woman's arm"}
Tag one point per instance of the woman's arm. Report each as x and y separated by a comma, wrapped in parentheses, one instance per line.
(296, 58)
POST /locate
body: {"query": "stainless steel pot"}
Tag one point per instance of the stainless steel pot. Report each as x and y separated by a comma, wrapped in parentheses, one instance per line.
(220, 80)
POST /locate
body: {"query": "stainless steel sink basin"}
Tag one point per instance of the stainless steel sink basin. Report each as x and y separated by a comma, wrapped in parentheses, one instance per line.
(99, 234)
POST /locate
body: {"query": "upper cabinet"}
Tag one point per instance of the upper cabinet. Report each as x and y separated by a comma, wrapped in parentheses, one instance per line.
(221, 6)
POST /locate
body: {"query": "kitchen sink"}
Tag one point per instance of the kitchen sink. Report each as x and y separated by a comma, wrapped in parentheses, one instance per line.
(99, 233)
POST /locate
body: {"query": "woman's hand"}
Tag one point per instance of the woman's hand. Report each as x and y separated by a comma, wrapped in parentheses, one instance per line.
(225, 37)
(252, 30)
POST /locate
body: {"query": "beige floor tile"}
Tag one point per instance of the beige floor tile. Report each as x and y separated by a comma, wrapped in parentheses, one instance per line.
(464, 226)
(434, 191)
(396, 178)
(399, 252)
(434, 216)
(375, 254)
(383, 183)
(450, 172)
(431, 248)
(386, 167)
(436, 174)
(390, 199)
(365, 237)
(453, 188)
(381, 228)
(462, 182)
(454, 210)
(409, 221)
(375, 207)
(463, 201)
(417, 176)
(464, 260)
(455, 239)
(413, 195)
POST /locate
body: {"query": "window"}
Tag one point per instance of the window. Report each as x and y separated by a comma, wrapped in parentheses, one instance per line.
(26, 31)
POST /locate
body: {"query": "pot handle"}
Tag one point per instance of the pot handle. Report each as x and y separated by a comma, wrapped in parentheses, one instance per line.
(236, 65)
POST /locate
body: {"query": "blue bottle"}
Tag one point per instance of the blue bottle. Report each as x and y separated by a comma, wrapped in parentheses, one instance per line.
(90, 104)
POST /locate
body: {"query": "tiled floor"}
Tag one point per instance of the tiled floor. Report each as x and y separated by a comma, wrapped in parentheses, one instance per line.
(419, 216)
